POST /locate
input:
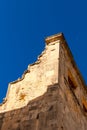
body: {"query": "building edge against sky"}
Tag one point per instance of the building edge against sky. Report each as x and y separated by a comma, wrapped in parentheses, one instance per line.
(51, 95)
(15, 88)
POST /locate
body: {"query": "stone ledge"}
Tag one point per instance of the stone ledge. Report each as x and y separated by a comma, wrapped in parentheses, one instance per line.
(54, 38)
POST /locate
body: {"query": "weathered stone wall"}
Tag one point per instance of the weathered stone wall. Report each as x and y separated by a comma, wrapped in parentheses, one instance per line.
(57, 96)
(48, 112)
(39, 114)
(35, 80)
(69, 71)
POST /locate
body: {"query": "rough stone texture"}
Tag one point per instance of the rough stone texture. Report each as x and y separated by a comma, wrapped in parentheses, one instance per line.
(35, 80)
(51, 94)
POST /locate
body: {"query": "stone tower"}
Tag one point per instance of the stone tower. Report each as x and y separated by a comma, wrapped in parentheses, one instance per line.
(51, 95)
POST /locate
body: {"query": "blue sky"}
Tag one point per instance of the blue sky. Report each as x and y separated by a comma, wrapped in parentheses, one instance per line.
(25, 23)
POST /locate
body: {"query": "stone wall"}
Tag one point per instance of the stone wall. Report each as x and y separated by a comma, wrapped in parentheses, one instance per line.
(39, 114)
(48, 112)
(56, 93)
(35, 80)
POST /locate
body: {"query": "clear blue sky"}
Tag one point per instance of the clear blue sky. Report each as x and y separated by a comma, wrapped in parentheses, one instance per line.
(25, 23)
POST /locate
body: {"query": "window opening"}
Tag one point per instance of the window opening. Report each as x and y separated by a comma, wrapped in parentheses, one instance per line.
(71, 81)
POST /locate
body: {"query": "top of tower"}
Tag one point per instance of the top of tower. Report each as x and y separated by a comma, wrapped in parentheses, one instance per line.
(54, 38)
(61, 38)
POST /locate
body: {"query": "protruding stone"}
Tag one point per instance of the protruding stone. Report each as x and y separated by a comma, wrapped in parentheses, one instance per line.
(54, 38)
